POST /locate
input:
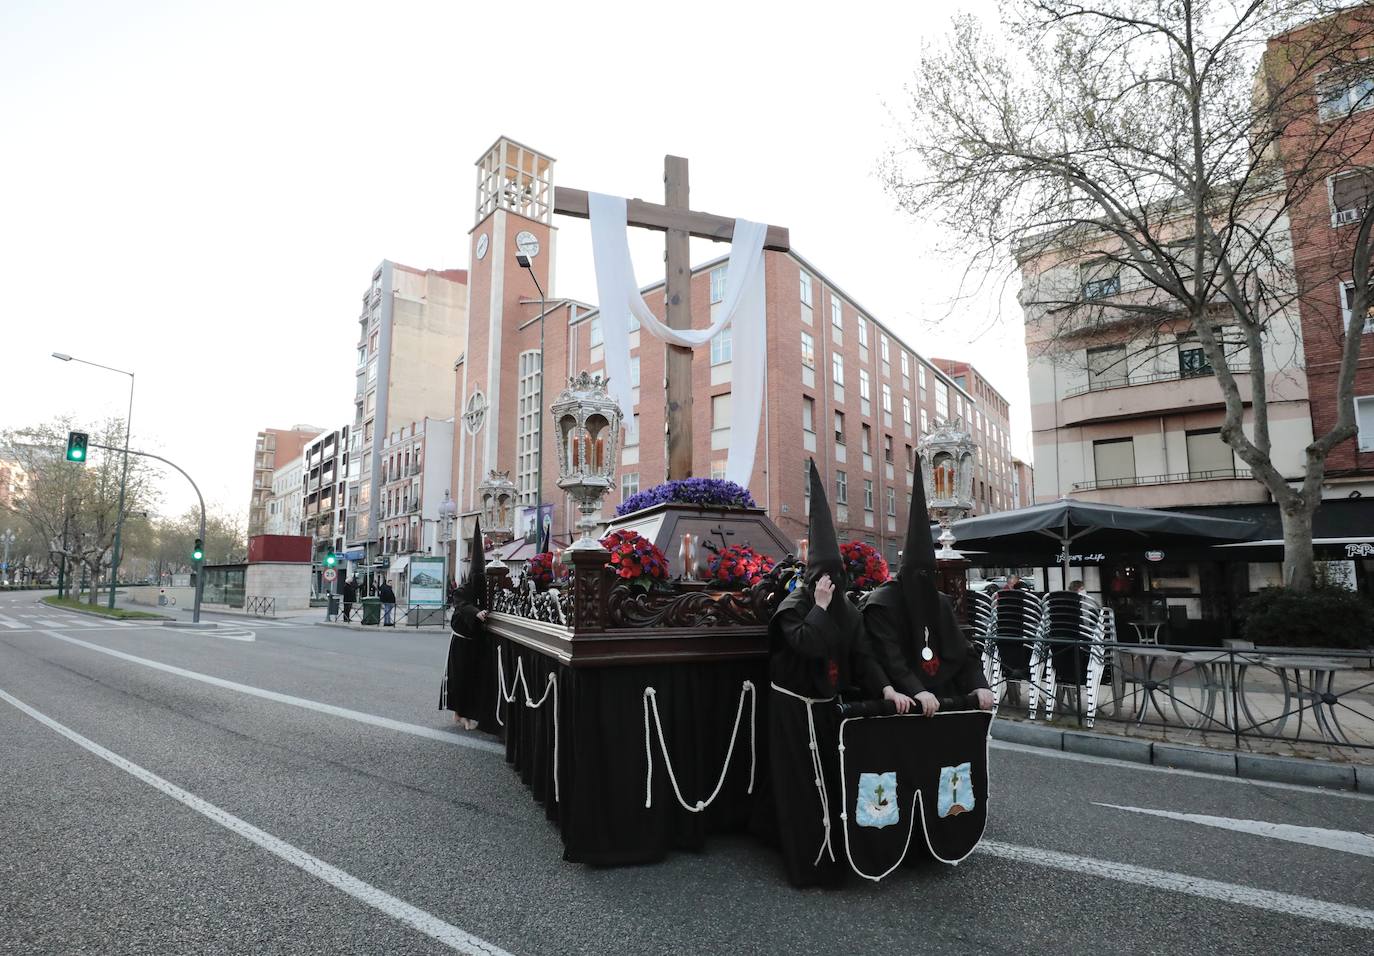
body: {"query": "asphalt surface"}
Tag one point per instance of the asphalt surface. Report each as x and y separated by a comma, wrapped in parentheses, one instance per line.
(94, 859)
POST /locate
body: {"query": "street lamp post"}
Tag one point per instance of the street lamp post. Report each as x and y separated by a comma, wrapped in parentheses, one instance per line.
(8, 539)
(522, 259)
(124, 473)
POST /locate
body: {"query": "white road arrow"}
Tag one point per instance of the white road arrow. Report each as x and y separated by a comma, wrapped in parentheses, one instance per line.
(1346, 841)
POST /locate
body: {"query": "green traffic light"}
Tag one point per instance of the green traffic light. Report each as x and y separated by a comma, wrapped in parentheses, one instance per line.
(77, 454)
(330, 560)
(76, 446)
(198, 552)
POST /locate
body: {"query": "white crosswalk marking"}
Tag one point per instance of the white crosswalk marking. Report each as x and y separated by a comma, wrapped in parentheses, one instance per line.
(30, 622)
(12, 625)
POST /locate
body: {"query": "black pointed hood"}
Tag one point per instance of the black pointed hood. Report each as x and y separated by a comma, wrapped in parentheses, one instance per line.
(477, 572)
(916, 573)
(823, 549)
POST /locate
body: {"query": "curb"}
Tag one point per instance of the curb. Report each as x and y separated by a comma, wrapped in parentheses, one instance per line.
(1324, 774)
(103, 617)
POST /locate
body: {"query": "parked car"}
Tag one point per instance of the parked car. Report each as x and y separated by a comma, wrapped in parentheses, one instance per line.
(987, 585)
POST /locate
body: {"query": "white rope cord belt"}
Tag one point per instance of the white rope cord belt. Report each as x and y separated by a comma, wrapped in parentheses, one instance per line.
(550, 687)
(817, 767)
(651, 700)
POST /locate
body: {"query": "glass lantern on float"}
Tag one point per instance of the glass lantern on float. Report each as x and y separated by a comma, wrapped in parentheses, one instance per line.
(588, 423)
(947, 457)
(497, 494)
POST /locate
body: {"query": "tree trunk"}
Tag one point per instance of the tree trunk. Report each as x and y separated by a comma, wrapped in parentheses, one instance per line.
(1299, 564)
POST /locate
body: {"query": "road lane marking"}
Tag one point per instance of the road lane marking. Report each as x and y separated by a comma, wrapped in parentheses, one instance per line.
(1032, 751)
(1346, 841)
(12, 625)
(398, 909)
(474, 743)
(1286, 904)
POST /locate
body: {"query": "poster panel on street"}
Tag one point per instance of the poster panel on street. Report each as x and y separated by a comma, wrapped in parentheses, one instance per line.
(427, 580)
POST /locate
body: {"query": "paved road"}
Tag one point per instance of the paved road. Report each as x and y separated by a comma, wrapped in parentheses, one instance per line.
(238, 818)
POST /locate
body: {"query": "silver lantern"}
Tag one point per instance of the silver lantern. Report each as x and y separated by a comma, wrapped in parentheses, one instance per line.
(947, 457)
(588, 424)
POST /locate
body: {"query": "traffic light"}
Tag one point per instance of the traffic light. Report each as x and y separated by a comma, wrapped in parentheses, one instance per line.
(198, 553)
(76, 446)
(331, 559)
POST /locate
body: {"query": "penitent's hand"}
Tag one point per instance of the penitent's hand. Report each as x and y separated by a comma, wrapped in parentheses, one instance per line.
(985, 698)
(825, 590)
(928, 703)
(481, 615)
(902, 701)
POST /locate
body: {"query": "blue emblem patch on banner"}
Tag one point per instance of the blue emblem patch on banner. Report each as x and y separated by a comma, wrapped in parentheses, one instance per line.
(876, 804)
(956, 790)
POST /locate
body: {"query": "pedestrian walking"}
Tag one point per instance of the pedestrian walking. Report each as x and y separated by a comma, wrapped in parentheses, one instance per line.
(350, 595)
(388, 598)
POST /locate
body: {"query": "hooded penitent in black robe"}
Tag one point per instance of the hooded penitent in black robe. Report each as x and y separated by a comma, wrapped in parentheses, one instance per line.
(469, 686)
(906, 615)
(815, 655)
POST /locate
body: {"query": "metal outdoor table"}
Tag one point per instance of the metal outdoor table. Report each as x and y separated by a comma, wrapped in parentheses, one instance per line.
(1157, 673)
(1314, 693)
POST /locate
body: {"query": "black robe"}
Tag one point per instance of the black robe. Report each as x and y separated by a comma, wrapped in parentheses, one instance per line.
(896, 641)
(816, 654)
(469, 686)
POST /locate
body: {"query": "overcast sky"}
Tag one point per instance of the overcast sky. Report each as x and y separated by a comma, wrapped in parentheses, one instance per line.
(199, 193)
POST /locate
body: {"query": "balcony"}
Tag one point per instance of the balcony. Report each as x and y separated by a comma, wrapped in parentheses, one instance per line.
(1219, 486)
(1143, 395)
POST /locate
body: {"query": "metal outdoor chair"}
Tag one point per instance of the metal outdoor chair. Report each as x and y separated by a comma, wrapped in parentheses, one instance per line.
(1075, 629)
(1018, 647)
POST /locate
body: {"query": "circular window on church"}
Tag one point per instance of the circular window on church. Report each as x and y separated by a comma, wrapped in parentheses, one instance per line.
(475, 413)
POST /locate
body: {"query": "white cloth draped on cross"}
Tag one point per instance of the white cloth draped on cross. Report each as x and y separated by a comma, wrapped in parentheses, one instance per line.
(743, 309)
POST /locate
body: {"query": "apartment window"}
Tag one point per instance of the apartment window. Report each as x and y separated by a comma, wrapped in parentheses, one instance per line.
(718, 285)
(867, 441)
(722, 346)
(1191, 359)
(1364, 421)
(906, 410)
(863, 332)
(594, 333)
(892, 501)
(362, 355)
(629, 484)
(1208, 455)
(884, 349)
(1114, 461)
(887, 398)
(1350, 91)
(1106, 366)
(718, 469)
(634, 370)
(836, 313)
(841, 488)
(1099, 278)
(925, 422)
(1347, 297)
(808, 346)
(837, 368)
(806, 483)
(806, 290)
(887, 449)
(906, 369)
(632, 431)
(808, 414)
(941, 401)
(720, 412)
(839, 428)
(864, 384)
(868, 494)
(1349, 194)
(528, 426)
(633, 324)
(921, 377)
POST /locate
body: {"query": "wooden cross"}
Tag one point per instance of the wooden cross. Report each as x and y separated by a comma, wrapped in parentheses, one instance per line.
(676, 218)
(721, 530)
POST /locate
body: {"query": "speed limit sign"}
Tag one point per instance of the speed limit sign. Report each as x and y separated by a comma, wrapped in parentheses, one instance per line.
(329, 574)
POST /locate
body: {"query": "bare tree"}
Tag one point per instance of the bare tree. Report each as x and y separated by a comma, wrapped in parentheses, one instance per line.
(1160, 149)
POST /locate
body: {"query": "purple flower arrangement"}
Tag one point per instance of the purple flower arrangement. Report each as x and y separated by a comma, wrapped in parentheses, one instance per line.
(702, 492)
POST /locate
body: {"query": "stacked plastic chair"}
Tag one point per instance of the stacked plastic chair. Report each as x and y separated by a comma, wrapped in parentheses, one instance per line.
(1017, 644)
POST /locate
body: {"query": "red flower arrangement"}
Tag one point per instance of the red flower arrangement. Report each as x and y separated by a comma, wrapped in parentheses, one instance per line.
(738, 565)
(635, 558)
(545, 571)
(864, 565)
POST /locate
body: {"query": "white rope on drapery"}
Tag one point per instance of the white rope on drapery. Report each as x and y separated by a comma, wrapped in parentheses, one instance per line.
(743, 309)
(817, 767)
(550, 687)
(651, 702)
